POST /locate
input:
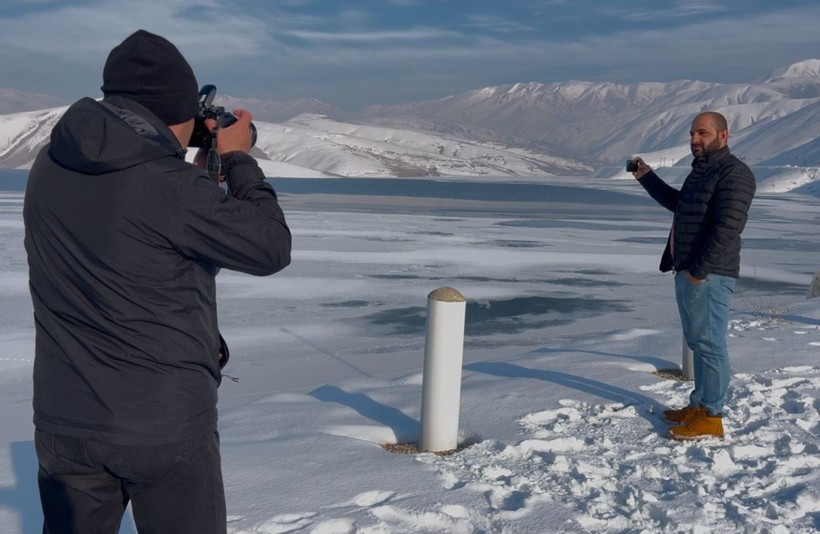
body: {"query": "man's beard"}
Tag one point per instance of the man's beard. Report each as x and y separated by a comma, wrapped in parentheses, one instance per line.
(714, 146)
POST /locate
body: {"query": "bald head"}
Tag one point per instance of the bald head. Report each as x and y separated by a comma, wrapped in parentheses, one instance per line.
(718, 120)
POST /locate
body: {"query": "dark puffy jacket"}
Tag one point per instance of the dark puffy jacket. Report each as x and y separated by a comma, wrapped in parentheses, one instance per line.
(124, 239)
(710, 210)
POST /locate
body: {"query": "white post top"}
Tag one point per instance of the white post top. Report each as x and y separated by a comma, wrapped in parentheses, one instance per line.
(446, 294)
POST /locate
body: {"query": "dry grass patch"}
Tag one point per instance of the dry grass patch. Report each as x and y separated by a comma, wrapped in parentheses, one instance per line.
(671, 374)
(413, 448)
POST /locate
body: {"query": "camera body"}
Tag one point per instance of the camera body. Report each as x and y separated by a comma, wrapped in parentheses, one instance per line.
(631, 165)
(202, 136)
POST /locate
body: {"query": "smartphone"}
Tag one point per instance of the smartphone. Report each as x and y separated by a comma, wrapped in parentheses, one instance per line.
(631, 165)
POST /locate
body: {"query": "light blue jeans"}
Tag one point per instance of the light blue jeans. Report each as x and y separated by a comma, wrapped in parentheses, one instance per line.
(704, 315)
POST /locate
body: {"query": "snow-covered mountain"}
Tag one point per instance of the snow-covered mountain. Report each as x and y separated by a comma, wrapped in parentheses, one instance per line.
(348, 149)
(522, 130)
(314, 145)
(23, 134)
(809, 68)
(279, 111)
(600, 123)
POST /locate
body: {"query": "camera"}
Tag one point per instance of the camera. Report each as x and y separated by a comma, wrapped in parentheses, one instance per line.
(202, 136)
(631, 165)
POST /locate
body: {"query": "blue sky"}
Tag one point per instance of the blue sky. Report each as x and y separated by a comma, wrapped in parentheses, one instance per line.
(352, 53)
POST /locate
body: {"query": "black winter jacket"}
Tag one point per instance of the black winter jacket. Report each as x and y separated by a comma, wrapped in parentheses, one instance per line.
(124, 239)
(710, 210)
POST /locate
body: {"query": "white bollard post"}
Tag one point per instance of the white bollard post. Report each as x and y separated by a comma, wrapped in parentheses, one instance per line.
(688, 364)
(443, 354)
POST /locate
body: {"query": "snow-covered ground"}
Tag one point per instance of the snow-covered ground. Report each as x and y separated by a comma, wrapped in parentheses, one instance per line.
(568, 320)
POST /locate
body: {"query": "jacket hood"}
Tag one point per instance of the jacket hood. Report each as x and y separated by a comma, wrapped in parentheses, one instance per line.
(97, 137)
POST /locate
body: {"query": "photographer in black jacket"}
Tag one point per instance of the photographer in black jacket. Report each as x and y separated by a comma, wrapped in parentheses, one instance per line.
(710, 212)
(124, 240)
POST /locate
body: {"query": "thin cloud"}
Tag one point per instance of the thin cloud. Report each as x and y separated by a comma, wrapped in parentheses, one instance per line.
(496, 24)
(678, 10)
(415, 34)
(88, 31)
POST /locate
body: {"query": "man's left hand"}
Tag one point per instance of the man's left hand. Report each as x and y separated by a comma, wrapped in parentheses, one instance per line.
(692, 280)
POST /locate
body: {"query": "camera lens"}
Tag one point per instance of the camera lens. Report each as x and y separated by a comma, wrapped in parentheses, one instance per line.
(252, 127)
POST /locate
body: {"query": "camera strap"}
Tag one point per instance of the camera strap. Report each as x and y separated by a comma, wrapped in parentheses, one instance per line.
(213, 163)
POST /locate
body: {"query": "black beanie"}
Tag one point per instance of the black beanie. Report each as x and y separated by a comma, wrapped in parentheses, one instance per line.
(150, 70)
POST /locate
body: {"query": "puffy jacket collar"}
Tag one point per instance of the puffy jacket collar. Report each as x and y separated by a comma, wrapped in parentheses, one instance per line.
(702, 162)
(98, 137)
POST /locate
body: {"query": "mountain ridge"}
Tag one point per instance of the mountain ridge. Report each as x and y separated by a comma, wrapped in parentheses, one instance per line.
(521, 129)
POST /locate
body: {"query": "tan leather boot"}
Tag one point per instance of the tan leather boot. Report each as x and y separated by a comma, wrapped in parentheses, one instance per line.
(700, 425)
(679, 416)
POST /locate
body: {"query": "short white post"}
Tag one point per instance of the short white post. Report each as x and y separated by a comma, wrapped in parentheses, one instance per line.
(441, 385)
(688, 363)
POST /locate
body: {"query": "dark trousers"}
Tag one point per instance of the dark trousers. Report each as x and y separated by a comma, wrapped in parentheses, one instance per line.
(85, 486)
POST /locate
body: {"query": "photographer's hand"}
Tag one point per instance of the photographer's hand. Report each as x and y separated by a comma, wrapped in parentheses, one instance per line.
(237, 136)
(643, 168)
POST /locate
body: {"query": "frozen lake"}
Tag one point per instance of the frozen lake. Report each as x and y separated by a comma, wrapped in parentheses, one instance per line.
(563, 295)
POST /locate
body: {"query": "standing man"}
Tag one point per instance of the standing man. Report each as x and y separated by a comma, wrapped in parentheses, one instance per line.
(703, 250)
(124, 240)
